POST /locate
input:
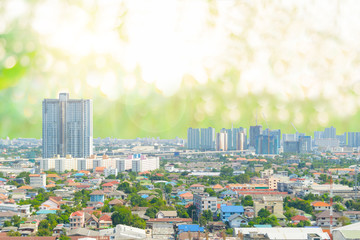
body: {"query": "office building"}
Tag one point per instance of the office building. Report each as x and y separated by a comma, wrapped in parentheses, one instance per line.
(193, 138)
(255, 132)
(67, 127)
(207, 139)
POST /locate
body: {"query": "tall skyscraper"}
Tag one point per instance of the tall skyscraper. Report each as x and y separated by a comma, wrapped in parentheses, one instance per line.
(241, 140)
(305, 145)
(67, 127)
(193, 136)
(255, 132)
(207, 140)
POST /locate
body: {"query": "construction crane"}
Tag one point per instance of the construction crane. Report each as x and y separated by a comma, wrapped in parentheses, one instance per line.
(294, 127)
(267, 125)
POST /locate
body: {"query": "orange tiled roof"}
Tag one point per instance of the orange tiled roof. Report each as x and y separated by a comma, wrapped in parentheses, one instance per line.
(320, 204)
(25, 187)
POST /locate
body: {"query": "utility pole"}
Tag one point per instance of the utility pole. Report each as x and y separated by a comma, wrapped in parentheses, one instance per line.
(331, 203)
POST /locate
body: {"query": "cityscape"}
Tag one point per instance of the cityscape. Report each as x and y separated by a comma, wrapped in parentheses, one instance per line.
(179, 120)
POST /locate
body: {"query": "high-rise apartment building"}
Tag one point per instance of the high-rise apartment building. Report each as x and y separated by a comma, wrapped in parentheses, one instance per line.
(255, 132)
(67, 127)
(267, 144)
(221, 141)
(305, 145)
(353, 139)
(207, 139)
(193, 137)
(330, 132)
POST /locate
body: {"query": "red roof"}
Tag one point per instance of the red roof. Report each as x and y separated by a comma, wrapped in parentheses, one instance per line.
(77, 213)
(299, 218)
(109, 184)
(105, 217)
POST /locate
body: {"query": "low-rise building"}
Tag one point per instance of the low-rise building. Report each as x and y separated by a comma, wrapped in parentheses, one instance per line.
(204, 202)
(273, 204)
(37, 180)
(227, 211)
(77, 219)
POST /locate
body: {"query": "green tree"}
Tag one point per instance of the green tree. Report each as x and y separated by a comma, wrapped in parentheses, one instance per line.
(263, 213)
(12, 233)
(208, 215)
(151, 212)
(343, 220)
(226, 171)
(247, 201)
(168, 188)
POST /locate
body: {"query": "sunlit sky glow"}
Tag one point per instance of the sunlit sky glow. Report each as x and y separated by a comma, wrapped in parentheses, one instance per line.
(155, 68)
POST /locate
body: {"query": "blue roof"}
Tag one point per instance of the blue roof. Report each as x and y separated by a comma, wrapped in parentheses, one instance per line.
(190, 227)
(43, 211)
(79, 174)
(182, 192)
(263, 226)
(3, 180)
(232, 208)
(145, 196)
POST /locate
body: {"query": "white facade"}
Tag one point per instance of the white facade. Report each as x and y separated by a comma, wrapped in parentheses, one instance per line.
(37, 180)
(67, 127)
(145, 164)
(85, 164)
(123, 164)
(15, 208)
(110, 171)
(63, 164)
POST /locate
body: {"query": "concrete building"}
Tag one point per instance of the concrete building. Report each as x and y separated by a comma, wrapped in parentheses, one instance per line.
(37, 180)
(193, 138)
(273, 204)
(77, 219)
(141, 163)
(255, 132)
(285, 233)
(110, 171)
(123, 165)
(204, 202)
(63, 164)
(221, 141)
(207, 139)
(67, 127)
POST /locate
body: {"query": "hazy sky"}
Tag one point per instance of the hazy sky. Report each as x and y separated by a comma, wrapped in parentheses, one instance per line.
(155, 68)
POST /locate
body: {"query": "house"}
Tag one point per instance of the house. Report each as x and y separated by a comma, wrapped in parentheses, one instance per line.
(296, 219)
(53, 203)
(77, 219)
(97, 196)
(166, 214)
(217, 188)
(237, 220)
(186, 196)
(115, 202)
(323, 218)
(272, 204)
(354, 216)
(92, 221)
(117, 194)
(228, 211)
(198, 187)
(6, 216)
(320, 206)
(228, 193)
(110, 186)
(105, 221)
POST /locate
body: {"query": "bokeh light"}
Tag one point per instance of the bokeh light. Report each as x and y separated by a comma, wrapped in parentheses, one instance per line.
(155, 68)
